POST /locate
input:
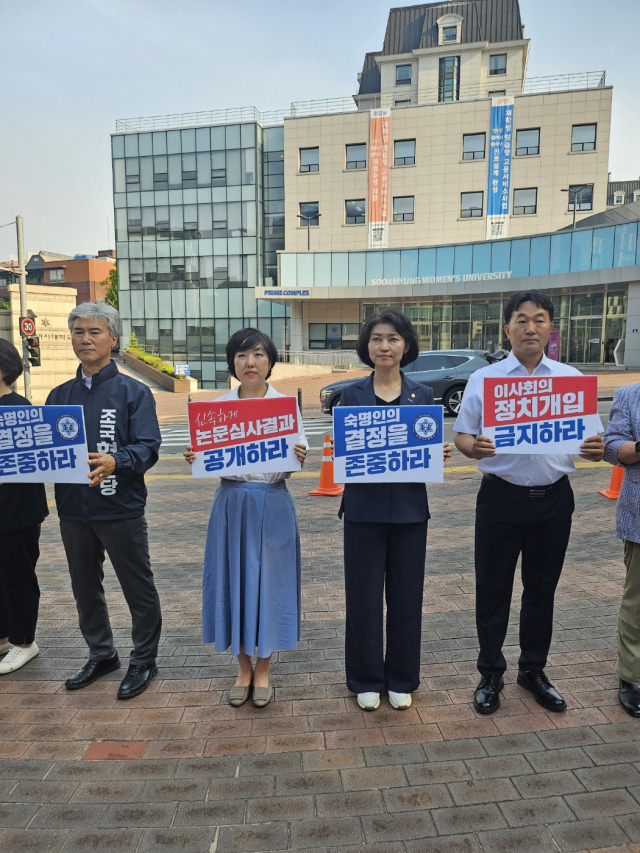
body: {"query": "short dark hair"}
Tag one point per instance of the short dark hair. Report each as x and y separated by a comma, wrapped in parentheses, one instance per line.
(535, 296)
(10, 362)
(403, 326)
(245, 339)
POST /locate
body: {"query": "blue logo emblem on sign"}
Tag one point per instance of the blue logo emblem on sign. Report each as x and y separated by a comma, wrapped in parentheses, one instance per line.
(68, 427)
(425, 427)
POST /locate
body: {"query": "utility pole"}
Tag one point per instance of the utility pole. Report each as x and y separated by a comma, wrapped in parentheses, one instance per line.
(23, 305)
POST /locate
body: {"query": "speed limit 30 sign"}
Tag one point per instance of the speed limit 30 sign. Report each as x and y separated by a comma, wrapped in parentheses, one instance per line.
(27, 326)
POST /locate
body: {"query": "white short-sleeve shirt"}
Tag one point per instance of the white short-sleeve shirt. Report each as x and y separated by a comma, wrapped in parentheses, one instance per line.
(525, 469)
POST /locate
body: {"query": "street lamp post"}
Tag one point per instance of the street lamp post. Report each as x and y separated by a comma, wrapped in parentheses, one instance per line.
(308, 220)
(574, 191)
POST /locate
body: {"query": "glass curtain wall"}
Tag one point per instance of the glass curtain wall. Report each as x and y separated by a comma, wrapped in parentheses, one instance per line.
(591, 323)
(190, 241)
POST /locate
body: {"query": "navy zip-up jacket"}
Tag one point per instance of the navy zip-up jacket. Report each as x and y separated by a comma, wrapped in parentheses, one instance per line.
(120, 419)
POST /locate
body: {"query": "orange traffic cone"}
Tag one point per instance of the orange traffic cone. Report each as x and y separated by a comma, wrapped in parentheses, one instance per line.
(617, 475)
(327, 486)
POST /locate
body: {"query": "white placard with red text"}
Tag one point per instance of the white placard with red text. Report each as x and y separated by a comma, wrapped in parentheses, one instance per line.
(236, 437)
(540, 414)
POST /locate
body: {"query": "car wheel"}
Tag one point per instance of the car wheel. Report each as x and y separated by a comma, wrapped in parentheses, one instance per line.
(334, 402)
(452, 399)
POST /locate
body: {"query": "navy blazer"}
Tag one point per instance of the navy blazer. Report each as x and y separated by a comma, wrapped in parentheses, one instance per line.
(380, 503)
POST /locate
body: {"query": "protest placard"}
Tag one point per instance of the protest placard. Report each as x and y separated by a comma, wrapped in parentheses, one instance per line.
(540, 414)
(43, 444)
(236, 437)
(388, 444)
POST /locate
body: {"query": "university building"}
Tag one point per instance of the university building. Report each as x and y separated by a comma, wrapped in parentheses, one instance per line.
(448, 181)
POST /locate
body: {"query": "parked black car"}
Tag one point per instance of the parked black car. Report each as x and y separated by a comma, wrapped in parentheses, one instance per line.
(446, 371)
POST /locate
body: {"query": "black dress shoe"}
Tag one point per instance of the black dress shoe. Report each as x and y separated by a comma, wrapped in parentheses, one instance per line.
(92, 671)
(486, 699)
(137, 679)
(629, 696)
(543, 690)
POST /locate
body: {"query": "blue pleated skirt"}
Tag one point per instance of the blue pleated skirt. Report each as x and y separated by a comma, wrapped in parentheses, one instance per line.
(251, 582)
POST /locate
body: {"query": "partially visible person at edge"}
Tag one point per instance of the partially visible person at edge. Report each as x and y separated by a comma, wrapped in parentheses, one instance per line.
(251, 582)
(622, 447)
(385, 534)
(107, 514)
(23, 508)
(524, 506)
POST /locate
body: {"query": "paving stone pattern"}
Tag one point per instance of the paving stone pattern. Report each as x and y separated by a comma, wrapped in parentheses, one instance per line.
(179, 769)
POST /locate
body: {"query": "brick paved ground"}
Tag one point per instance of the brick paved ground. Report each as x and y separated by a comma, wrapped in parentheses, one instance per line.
(179, 769)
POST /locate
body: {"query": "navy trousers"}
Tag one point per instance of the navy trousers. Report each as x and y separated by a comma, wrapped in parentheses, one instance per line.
(509, 523)
(383, 561)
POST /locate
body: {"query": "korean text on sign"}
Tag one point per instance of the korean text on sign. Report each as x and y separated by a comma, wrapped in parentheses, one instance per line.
(43, 444)
(540, 414)
(378, 444)
(236, 437)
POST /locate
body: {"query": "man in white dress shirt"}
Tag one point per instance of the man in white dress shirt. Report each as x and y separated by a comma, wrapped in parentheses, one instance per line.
(524, 507)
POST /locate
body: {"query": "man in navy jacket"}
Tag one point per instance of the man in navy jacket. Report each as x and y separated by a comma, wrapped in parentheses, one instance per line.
(107, 514)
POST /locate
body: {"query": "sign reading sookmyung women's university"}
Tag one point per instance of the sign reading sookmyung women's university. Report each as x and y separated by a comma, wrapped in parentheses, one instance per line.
(542, 414)
(237, 437)
(43, 444)
(388, 444)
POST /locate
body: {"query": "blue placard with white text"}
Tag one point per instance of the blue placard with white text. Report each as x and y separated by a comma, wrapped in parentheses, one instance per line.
(43, 444)
(388, 444)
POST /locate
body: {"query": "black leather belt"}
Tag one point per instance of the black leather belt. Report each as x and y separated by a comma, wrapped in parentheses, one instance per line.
(529, 491)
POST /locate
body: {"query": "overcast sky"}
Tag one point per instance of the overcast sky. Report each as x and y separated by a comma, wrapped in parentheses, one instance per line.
(70, 68)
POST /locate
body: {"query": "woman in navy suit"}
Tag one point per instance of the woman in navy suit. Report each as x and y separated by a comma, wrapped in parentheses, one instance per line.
(385, 533)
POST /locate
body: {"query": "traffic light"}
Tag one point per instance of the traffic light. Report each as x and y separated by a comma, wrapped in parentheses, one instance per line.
(33, 350)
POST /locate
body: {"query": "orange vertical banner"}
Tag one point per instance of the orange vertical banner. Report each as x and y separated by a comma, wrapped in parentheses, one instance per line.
(379, 156)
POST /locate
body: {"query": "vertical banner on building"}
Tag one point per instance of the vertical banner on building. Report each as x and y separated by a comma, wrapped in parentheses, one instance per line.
(379, 154)
(499, 168)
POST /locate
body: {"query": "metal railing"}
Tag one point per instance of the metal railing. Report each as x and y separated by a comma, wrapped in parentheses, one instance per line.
(334, 358)
(328, 106)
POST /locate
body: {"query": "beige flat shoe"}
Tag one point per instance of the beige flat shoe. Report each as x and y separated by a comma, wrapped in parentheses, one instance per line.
(262, 695)
(239, 695)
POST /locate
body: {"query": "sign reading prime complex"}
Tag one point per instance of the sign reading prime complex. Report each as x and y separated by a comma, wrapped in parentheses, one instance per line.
(388, 444)
(43, 444)
(542, 414)
(499, 167)
(236, 437)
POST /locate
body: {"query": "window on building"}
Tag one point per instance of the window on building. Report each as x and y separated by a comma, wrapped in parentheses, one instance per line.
(473, 146)
(498, 93)
(525, 201)
(218, 169)
(404, 152)
(403, 75)
(581, 197)
(618, 198)
(333, 335)
(403, 208)
(636, 195)
(309, 213)
(354, 211)
(583, 137)
(449, 79)
(309, 159)
(357, 156)
(471, 205)
(498, 63)
(449, 34)
(402, 102)
(449, 27)
(527, 141)
(56, 275)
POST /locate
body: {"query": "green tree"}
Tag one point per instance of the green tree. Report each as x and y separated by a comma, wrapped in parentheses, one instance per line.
(111, 283)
